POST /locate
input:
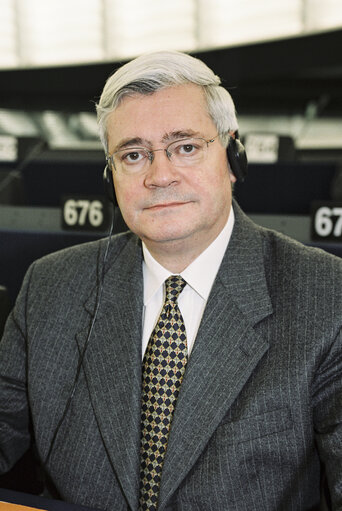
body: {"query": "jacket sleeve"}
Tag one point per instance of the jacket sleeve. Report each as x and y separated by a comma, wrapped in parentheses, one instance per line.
(327, 402)
(15, 434)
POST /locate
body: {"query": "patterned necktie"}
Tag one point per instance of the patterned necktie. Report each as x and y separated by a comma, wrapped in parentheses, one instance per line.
(163, 369)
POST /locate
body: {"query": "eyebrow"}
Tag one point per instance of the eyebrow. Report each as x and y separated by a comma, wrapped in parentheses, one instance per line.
(178, 134)
(129, 142)
(167, 137)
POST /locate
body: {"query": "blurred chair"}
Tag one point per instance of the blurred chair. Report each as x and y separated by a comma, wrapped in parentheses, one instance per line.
(12, 190)
(4, 307)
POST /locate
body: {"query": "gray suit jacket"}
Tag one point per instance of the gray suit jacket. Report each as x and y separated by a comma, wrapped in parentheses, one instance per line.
(259, 414)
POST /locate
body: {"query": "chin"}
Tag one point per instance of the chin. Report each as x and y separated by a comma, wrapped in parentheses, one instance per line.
(166, 236)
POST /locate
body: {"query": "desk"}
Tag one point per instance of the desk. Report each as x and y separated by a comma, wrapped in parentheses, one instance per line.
(25, 499)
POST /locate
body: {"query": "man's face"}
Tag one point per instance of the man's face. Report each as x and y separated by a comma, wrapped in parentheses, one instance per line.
(171, 207)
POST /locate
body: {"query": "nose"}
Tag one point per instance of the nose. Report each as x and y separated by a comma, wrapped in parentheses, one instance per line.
(161, 172)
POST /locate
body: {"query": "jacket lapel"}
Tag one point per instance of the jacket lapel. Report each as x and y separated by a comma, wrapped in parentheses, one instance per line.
(226, 351)
(112, 365)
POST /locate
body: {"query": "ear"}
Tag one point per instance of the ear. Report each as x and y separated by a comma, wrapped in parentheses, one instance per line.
(232, 176)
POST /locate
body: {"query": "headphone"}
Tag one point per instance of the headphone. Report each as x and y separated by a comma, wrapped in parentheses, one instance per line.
(237, 157)
(237, 160)
(108, 184)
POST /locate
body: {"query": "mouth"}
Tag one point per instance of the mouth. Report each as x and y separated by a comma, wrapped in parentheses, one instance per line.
(166, 205)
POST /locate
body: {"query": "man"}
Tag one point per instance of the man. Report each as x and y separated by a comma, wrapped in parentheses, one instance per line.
(225, 396)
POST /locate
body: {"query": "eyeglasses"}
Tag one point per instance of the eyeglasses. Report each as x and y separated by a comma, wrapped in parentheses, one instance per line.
(182, 153)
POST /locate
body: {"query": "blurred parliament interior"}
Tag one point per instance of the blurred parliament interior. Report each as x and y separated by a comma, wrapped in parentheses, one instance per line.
(281, 62)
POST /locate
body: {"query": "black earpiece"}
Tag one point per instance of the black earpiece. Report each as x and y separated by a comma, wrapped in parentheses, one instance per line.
(237, 158)
(108, 184)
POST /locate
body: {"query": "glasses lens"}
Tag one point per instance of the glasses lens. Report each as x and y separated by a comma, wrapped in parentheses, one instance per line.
(131, 160)
(187, 151)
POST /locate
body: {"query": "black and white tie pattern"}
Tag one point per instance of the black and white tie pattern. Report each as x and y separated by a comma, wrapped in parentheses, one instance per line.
(163, 369)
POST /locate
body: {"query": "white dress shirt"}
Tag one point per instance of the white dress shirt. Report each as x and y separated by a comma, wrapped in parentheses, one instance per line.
(199, 275)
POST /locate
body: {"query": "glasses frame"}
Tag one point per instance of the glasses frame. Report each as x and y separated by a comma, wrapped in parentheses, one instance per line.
(150, 152)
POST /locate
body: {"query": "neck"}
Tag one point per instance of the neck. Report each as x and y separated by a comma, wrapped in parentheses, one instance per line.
(175, 261)
(176, 255)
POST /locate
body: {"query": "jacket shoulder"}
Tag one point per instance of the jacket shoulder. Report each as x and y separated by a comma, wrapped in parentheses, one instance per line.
(88, 252)
(302, 274)
(76, 268)
(288, 251)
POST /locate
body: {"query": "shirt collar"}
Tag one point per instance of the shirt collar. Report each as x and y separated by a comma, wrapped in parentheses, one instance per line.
(200, 274)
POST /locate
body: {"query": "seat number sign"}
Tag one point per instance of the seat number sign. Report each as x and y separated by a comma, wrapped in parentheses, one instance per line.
(85, 214)
(326, 221)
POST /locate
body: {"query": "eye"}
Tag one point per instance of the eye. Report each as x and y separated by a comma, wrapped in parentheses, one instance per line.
(188, 147)
(132, 157)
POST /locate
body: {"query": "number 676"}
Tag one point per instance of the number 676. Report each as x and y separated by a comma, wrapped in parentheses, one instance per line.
(78, 211)
(325, 225)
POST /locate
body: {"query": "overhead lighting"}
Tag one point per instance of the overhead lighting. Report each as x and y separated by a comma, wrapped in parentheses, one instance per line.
(134, 27)
(60, 31)
(9, 55)
(227, 22)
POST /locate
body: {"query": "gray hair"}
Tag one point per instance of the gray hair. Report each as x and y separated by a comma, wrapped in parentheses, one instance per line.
(153, 71)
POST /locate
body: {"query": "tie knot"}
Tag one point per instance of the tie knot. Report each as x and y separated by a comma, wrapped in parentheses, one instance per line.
(174, 286)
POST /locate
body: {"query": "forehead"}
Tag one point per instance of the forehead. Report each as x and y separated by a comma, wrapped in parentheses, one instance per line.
(151, 117)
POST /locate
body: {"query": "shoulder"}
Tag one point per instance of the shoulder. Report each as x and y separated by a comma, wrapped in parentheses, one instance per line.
(78, 265)
(303, 281)
(282, 252)
(77, 255)
(63, 281)
(285, 252)
(296, 275)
